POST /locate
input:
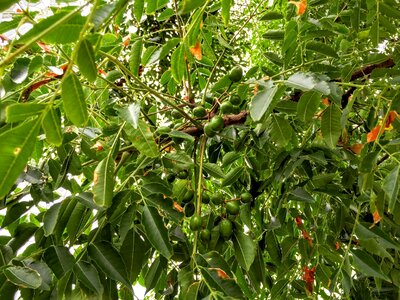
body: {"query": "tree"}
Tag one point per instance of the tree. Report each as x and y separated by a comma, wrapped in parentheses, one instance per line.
(222, 149)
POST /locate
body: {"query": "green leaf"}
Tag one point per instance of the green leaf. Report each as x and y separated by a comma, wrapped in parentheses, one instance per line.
(15, 150)
(21, 111)
(15, 211)
(109, 261)
(366, 264)
(130, 114)
(187, 6)
(245, 249)
(274, 34)
(330, 125)
(136, 54)
(214, 170)
(226, 10)
(133, 252)
(50, 219)
(390, 186)
(74, 100)
(52, 127)
(271, 15)
(10, 25)
(142, 139)
(299, 194)
(4, 4)
(103, 182)
(181, 135)
(179, 160)
(154, 274)
(308, 105)
(59, 260)
(228, 286)
(301, 81)
(67, 32)
(321, 48)
(281, 131)
(23, 277)
(86, 60)
(138, 8)
(178, 63)
(87, 274)
(261, 102)
(232, 176)
(156, 232)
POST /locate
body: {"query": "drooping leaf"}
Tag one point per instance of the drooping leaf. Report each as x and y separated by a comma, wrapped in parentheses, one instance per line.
(280, 130)
(218, 280)
(74, 100)
(214, 170)
(301, 81)
(156, 232)
(21, 111)
(330, 125)
(52, 127)
(87, 274)
(232, 176)
(138, 8)
(178, 63)
(59, 260)
(66, 32)
(390, 186)
(187, 6)
(179, 160)
(245, 249)
(23, 277)
(261, 102)
(299, 194)
(50, 219)
(133, 252)
(321, 48)
(15, 150)
(130, 114)
(103, 182)
(308, 105)
(136, 54)
(142, 139)
(86, 60)
(109, 260)
(366, 264)
(226, 10)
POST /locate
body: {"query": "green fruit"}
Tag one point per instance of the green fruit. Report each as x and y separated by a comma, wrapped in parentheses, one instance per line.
(205, 236)
(170, 178)
(209, 99)
(217, 123)
(176, 114)
(205, 198)
(236, 74)
(225, 228)
(209, 131)
(217, 198)
(189, 210)
(246, 197)
(226, 108)
(163, 130)
(199, 111)
(232, 207)
(195, 223)
(188, 196)
(182, 174)
(236, 110)
(235, 100)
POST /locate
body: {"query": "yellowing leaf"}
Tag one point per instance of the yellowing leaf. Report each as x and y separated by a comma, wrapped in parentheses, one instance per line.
(196, 51)
(300, 5)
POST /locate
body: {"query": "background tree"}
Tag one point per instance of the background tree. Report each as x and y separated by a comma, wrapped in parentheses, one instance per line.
(221, 149)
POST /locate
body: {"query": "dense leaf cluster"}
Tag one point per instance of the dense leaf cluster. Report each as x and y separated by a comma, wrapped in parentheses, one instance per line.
(222, 149)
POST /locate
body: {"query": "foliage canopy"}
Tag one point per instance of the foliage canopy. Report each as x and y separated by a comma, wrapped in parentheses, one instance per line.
(222, 149)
